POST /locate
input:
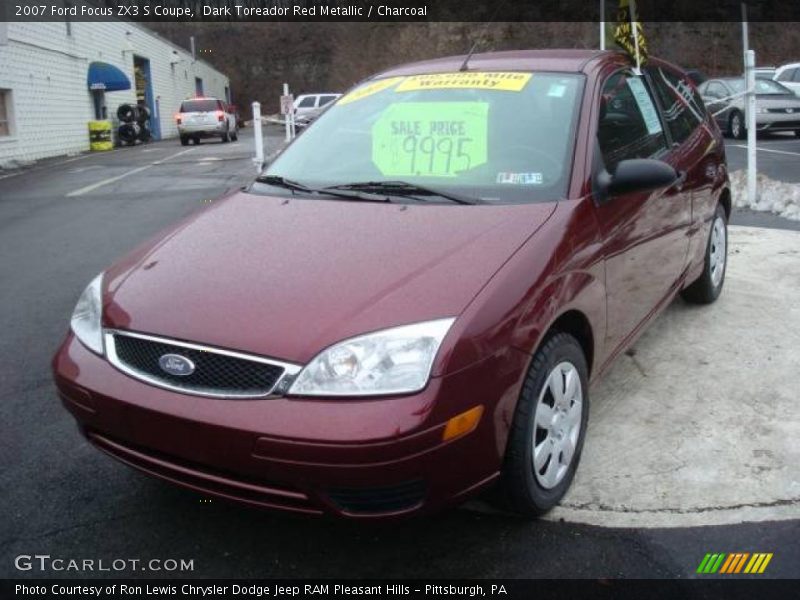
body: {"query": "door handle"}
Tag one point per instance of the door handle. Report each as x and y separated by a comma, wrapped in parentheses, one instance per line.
(680, 181)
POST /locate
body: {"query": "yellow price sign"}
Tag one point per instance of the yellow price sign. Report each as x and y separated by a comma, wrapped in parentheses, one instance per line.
(507, 81)
(430, 139)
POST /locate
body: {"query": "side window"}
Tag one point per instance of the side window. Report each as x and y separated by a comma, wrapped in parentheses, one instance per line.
(683, 108)
(787, 74)
(715, 90)
(629, 124)
(327, 99)
(796, 75)
(307, 102)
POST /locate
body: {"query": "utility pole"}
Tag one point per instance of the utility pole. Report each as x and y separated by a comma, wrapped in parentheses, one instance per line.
(750, 107)
(602, 25)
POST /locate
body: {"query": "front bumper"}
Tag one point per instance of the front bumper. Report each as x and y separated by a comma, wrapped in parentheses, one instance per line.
(356, 458)
(778, 121)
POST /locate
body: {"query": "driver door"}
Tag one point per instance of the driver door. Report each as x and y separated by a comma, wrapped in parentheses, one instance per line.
(644, 249)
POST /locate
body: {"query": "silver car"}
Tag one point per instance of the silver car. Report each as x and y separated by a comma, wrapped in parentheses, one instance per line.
(206, 118)
(777, 108)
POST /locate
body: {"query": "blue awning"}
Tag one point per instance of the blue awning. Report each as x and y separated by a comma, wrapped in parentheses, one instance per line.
(106, 77)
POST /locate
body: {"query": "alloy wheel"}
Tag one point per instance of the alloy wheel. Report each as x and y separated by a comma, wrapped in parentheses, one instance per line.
(557, 425)
(717, 251)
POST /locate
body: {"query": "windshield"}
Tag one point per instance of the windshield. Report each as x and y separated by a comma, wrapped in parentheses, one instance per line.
(199, 106)
(496, 137)
(763, 86)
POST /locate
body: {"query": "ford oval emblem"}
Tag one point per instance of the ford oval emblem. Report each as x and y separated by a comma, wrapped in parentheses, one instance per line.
(175, 364)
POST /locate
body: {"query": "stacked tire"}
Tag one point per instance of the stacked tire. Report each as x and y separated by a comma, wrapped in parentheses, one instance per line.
(134, 124)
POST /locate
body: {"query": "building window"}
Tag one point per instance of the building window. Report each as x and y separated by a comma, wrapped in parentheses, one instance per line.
(6, 128)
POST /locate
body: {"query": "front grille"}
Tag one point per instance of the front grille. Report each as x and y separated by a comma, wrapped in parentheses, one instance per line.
(785, 125)
(783, 111)
(394, 498)
(216, 372)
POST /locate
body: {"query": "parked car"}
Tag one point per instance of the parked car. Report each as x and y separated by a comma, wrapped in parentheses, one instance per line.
(777, 108)
(409, 304)
(789, 76)
(765, 72)
(313, 104)
(204, 118)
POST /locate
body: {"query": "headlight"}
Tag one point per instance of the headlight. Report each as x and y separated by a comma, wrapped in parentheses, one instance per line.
(86, 317)
(392, 361)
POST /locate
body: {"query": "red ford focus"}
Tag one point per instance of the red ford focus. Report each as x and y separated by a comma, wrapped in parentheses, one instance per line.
(410, 303)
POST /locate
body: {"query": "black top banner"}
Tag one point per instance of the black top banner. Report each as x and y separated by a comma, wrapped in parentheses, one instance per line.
(393, 10)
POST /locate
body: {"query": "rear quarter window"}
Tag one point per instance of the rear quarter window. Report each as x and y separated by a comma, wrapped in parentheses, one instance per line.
(682, 106)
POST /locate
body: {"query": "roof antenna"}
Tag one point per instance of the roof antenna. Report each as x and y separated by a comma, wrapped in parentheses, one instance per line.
(465, 65)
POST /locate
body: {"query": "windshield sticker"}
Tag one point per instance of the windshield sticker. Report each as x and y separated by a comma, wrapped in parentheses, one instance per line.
(370, 89)
(520, 178)
(433, 139)
(505, 81)
(557, 90)
(645, 104)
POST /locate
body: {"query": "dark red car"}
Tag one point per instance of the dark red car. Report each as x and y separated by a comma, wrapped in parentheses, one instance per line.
(410, 303)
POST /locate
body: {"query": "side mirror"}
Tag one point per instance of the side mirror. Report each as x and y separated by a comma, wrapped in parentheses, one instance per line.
(635, 175)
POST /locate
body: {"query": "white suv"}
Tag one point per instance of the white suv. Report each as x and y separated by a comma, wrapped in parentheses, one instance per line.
(312, 104)
(204, 118)
(789, 75)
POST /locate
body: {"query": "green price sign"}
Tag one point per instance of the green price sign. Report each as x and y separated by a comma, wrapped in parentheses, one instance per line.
(434, 139)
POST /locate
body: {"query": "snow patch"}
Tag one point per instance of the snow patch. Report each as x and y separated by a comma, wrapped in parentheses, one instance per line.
(779, 197)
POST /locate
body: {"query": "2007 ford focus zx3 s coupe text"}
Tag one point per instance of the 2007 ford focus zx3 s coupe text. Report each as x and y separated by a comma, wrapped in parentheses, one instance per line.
(409, 304)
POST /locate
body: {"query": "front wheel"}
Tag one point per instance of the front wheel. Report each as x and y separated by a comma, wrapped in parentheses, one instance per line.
(548, 429)
(706, 288)
(736, 127)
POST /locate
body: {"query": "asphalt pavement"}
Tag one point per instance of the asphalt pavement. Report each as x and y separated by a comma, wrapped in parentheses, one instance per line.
(61, 223)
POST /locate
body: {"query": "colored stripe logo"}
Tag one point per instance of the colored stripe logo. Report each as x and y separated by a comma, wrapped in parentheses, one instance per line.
(733, 563)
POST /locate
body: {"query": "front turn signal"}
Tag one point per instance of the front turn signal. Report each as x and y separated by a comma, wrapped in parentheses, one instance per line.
(462, 424)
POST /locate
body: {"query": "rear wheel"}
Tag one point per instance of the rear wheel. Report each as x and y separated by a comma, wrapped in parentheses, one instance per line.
(548, 429)
(184, 140)
(235, 135)
(736, 126)
(706, 288)
(226, 137)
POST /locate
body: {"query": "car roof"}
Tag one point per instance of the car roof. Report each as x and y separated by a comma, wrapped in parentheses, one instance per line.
(569, 60)
(793, 65)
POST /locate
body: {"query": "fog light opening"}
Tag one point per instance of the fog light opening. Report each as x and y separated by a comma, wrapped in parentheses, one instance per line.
(462, 424)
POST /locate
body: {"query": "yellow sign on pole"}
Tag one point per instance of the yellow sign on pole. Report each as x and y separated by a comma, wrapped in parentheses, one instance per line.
(629, 33)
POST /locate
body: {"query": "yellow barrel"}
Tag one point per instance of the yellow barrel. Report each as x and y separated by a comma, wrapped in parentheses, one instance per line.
(100, 136)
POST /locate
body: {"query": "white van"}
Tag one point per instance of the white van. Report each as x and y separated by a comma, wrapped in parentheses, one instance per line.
(312, 104)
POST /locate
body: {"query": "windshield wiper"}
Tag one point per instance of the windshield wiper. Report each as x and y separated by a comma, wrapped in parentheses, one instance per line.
(296, 186)
(404, 188)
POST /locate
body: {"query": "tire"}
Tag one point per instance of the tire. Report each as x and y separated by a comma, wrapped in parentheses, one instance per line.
(532, 489)
(707, 288)
(126, 113)
(226, 137)
(736, 126)
(196, 141)
(184, 140)
(235, 135)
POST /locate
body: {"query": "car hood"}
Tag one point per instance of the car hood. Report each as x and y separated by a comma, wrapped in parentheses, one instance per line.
(287, 277)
